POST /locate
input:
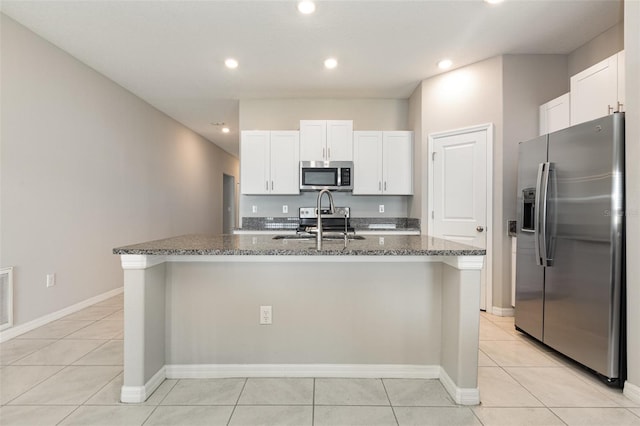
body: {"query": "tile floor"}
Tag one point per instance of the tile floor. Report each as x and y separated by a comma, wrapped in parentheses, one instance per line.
(69, 372)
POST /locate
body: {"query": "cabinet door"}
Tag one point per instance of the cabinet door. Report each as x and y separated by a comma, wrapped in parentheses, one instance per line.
(555, 114)
(254, 162)
(397, 163)
(313, 140)
(285, 162)
(339, 140)
(594, 91)
(367, 163)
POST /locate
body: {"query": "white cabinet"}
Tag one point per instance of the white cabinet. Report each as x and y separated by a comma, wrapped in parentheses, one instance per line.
(269, 162)
(621, 80)
(555, 114)
(383, 163)
(326, 140)
(595, 91)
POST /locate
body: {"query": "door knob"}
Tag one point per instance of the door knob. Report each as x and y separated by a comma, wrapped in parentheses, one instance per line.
(479, 228)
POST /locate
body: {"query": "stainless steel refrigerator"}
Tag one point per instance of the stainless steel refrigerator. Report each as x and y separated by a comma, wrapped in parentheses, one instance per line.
(570, 251)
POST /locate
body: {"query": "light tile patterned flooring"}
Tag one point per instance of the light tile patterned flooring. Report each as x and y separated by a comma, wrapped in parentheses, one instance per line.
(69, 372)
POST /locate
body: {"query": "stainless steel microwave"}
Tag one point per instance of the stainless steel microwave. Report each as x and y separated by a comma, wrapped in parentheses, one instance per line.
(332, 175)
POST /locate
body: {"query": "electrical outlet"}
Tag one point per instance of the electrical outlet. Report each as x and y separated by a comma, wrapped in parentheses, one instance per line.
(51, 280)
(265, 315)
(254, 209)
(381, 208)
(285, 209)
(381, 241)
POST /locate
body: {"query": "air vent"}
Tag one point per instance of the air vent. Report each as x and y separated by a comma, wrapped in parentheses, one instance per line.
(6, 298)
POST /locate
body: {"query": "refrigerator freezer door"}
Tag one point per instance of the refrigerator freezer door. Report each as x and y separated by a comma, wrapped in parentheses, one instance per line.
(529, 276)
(582, 287)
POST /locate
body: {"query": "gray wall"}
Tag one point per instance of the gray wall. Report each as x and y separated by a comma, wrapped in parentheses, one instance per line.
(528, 81)
(632, 152)
(597, 49)
(417, 203)
(342, 320)
(285, 114)
(87, 166)
(466, 97)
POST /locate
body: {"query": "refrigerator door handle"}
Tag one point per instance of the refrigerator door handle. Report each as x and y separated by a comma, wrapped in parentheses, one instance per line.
(537, 225)
(542, 208)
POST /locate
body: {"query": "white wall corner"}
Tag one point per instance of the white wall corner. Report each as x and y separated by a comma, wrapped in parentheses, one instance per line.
(462, 396)
(138, 394)
(503, 312)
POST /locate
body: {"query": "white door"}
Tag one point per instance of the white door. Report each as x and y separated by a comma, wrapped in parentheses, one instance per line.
(458, 201)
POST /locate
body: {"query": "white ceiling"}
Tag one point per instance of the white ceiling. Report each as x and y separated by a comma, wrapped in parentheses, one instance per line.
(171, 53)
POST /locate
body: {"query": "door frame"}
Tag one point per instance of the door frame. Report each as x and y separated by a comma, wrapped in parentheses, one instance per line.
(488, 128)
(229, 186)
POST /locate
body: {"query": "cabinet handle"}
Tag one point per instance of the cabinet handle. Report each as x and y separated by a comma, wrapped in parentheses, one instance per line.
(379, 186)
(266, 185)
(385, 185)
(272, 185)
(620, 106)
(609, 109)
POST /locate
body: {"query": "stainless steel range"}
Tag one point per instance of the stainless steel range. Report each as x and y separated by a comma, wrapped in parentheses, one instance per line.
(337, 222)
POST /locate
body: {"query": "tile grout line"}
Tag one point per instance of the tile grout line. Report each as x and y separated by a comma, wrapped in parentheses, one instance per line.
(390, 403)
(246, 379)
(313, 403)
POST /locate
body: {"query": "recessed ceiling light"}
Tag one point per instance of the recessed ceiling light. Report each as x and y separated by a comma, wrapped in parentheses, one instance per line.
(330, 63)
(306, 7)
(231, 63)
(445, 64)
(493, 1)
(225, 130)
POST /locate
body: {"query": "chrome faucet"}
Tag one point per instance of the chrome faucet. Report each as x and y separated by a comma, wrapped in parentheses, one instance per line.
(332, 209)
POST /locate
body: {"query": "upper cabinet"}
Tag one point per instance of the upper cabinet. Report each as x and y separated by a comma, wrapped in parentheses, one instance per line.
(555, 114)
(383, 163)
(598, 90)
(326, 140)
(269, 162)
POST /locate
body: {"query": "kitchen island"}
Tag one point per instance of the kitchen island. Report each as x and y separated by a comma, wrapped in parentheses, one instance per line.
(386, 306)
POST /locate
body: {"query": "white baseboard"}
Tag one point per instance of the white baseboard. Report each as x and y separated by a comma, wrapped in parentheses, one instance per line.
(385, 371)
(463, 396)
(17, 330)
(503, 312)
(137, 394)
(632, 391)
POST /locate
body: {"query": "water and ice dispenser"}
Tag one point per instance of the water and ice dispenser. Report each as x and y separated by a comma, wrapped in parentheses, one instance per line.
(528, 209)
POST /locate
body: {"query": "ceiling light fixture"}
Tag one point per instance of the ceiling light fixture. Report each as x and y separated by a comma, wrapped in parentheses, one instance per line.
(445, 64)
(330, 63)
(225, 130)
(493, 1)
(231, 63)
(306, 7)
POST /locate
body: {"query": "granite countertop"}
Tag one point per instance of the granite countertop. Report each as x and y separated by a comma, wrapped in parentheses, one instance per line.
(265, 245)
